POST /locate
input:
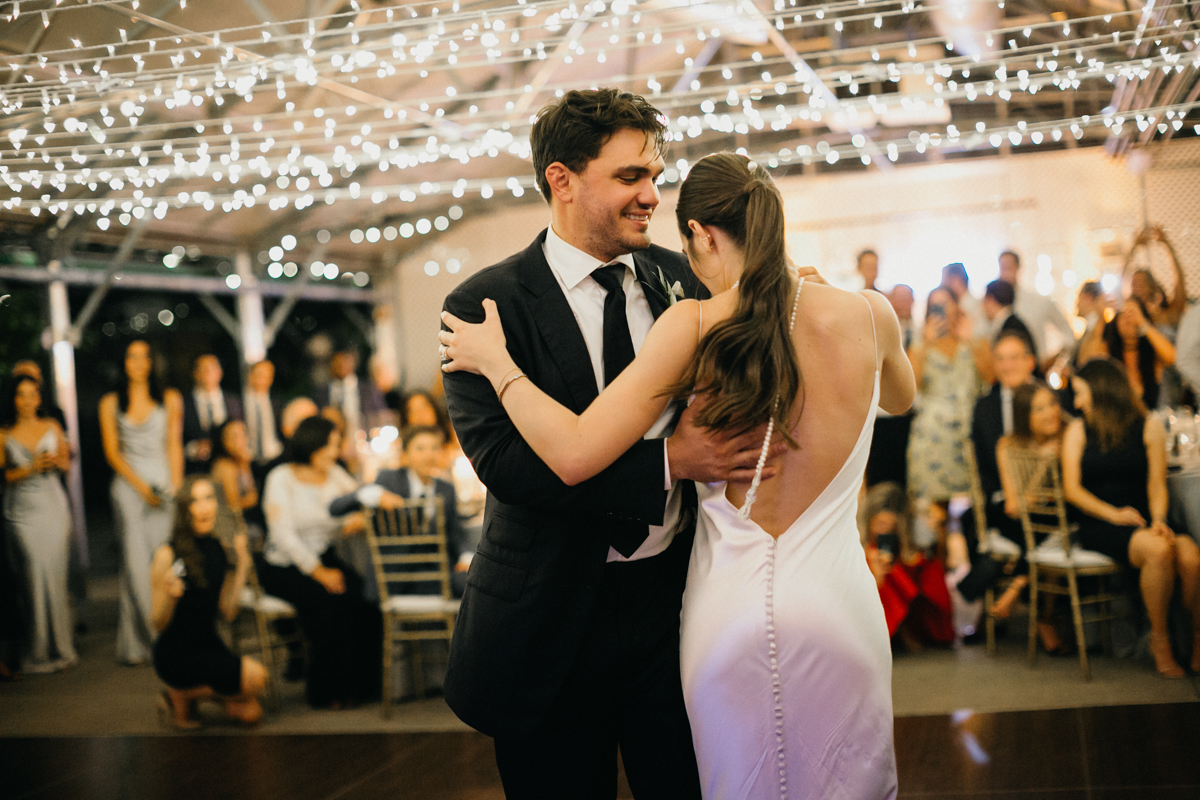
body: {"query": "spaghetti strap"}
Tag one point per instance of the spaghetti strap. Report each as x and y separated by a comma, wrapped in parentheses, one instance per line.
(874, 337)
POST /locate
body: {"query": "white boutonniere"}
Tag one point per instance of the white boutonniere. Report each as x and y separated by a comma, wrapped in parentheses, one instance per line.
(669, 293)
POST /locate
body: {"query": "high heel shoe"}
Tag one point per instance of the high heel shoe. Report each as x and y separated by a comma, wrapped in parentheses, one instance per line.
(168, 717)
(1170, 669)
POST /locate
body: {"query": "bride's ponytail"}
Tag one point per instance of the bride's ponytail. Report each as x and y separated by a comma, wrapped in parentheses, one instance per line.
(747, 361)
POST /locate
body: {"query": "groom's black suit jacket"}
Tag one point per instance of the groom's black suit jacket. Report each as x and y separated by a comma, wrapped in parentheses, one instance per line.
(534, 579)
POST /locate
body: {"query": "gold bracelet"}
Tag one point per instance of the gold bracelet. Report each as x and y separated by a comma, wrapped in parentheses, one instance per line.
(508, 383)
(500, 383)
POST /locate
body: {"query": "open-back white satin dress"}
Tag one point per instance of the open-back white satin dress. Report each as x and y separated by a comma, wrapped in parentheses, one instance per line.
(785, 656)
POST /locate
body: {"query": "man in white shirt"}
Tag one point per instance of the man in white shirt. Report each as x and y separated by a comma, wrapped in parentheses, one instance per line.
(1187, 347)
(262, 411)
(357, 401)
(1038, 313)
(205, 409)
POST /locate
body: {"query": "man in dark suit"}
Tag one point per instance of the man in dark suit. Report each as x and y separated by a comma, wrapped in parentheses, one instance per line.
(567, 642)
(205, 409)
(998, 308)
(1012, 357)
(423, 447)
(358, 401)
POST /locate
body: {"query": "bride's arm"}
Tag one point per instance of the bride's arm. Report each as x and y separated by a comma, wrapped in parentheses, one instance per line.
(897, 386)
(576, 447)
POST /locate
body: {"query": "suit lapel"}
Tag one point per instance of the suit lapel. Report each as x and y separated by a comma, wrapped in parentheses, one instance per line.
(556, 323)
(647, 275)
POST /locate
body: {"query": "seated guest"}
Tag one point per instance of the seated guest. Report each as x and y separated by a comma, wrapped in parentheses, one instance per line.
(1115, 473)
(343, 630)
(191, 580)
(290, 418)
(1037, 427)
(422, 455)
(998, 301)
(231, 472)
(1014, 365)
(205, 409)
(1142, 348)
(912, 587)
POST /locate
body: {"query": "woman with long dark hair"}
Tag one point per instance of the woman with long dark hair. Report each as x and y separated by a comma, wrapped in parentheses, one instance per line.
(1115, 472)
(34, 451)
(1142, 348)
(141, 426)
(192, 580)
(231, 472)
(784, 647)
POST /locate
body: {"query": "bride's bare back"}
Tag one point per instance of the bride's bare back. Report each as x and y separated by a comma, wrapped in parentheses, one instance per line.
(835, 336)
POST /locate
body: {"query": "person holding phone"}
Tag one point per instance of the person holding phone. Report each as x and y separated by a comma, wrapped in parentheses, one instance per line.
(949, 367)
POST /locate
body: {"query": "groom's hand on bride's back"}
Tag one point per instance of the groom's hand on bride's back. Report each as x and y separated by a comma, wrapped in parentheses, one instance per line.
(697, 454)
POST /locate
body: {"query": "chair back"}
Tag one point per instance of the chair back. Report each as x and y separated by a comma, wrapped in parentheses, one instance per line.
(978, 501)
(1040, 501)
(408, 548)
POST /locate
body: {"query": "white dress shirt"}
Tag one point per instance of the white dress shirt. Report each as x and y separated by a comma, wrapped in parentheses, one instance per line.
(1039, 313)
(260, 413)
(572, 269)
(210, 407)
(1187, 347)
(343, 395)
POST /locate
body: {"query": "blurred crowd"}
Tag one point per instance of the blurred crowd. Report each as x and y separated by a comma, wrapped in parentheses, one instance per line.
(1007, 372)
(216, 491)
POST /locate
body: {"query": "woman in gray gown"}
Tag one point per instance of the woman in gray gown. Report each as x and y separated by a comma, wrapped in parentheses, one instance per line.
(34, 452)
(142, 429)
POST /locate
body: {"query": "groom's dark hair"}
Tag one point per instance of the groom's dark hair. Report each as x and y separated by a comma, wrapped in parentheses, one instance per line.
(572, 129)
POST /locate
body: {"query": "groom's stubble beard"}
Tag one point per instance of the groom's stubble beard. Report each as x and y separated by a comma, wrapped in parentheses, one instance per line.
(609, 235)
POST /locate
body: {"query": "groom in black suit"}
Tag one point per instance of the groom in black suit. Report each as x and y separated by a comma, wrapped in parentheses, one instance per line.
(567, 644)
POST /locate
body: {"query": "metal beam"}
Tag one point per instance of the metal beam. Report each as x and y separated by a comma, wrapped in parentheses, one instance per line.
(324, 291)
(878, 159)
(110, 274)
(221, 314)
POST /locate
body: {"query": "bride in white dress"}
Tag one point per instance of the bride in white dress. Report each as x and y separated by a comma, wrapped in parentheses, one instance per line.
(784, 649)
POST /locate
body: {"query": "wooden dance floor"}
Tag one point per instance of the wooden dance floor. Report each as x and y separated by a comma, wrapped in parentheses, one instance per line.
(1105, 753)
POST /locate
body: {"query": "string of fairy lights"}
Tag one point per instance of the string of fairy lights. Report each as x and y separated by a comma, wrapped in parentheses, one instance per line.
(115, 123)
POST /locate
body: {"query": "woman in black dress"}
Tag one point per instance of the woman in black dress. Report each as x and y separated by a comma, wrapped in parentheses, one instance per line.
(192, 581)
(1115, 472)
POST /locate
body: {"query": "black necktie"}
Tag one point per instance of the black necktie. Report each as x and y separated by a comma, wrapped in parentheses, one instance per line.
(625, 537)
(618, 344)
(258, 429)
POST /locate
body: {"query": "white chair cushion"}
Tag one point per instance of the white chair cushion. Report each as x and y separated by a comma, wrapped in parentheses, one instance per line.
(420, 604)
(998, 546)
(1050, 554)
(267, 604)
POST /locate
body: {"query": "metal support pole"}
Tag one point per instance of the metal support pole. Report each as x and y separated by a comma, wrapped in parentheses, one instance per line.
(63, 352)
(250, 312)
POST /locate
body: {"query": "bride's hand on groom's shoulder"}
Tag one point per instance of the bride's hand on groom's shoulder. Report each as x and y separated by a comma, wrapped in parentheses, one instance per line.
(479, 348)
(808, 273)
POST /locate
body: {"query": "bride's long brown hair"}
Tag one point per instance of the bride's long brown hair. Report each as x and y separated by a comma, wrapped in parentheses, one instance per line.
(747, 361)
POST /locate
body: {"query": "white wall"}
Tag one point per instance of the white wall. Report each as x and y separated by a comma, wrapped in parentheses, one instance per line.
(1069, 214)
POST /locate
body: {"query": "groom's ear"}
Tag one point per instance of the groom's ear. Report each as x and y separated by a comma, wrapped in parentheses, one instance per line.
(558, 179)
